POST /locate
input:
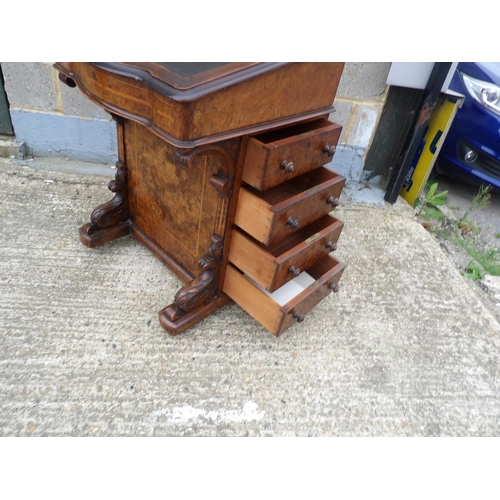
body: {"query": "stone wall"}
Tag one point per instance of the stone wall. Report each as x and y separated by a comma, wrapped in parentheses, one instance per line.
(52, 119)
(359, 103)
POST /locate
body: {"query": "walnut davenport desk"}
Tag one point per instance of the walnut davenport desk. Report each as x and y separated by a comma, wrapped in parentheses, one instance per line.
(221, 175)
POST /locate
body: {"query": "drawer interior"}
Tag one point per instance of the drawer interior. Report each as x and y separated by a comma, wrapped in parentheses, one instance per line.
(285, 133)
(289, 290)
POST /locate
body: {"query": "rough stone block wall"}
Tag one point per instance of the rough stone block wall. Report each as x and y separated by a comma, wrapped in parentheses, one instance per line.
(52, 119)
(358, 105)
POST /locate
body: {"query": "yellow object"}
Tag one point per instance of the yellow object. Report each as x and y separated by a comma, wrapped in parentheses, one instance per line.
(439, 124)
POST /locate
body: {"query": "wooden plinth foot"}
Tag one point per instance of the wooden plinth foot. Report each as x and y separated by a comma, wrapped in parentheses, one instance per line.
(110, 220)
(99, 237)
(175, 323)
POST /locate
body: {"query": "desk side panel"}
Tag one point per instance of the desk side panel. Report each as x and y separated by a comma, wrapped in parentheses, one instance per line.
(172, 204)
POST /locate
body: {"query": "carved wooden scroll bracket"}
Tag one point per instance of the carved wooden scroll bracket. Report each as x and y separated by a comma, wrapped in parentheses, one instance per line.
(205, 291)
(202, 288)
(109, 220)
(222, 181)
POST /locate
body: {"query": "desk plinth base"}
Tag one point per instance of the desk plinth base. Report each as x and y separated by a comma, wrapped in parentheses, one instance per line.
(187, 320)
(195, 300)
(201, 296)
(103, 236)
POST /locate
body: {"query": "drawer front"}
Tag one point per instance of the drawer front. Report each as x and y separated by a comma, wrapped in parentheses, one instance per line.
(272, 267)
(275, 157)
(273, 215)
(272, 316)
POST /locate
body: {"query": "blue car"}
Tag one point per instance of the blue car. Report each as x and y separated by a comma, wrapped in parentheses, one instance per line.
(471, 151)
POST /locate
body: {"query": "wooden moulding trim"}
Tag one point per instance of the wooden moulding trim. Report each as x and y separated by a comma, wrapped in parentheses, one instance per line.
(172, 264)
(251, 130)
(164, 74)
(201, 141)
(189, 94)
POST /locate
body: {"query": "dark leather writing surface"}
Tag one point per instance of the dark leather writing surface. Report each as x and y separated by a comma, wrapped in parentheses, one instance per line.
(189, 69)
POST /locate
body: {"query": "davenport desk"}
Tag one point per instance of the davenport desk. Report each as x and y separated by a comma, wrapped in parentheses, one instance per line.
(221, 175)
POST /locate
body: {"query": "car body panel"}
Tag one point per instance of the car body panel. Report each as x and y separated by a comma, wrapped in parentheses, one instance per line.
(474, 127)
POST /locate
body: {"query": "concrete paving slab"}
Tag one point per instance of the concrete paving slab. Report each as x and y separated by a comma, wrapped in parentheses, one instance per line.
(406, 348)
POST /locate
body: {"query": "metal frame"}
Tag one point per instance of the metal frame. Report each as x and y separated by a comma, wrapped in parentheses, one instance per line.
(421, 122)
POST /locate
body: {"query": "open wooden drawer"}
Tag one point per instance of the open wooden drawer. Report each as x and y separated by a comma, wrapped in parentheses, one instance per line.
(275, 157)
(273, 316)
(272, 215)
(273, 266)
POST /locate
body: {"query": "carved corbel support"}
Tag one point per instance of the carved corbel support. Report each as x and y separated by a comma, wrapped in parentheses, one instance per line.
(109, 220)
(202, 288)
(203, 295)
(222, 181)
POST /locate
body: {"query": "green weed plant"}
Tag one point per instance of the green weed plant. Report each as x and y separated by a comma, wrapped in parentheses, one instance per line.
(431, 201)
(462, 231)
(473, 272)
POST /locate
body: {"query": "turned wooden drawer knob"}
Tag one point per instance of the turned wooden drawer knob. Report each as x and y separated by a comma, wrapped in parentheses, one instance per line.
(330, 150)
(332, 246)
(294, 224)
(299, 317)
(294, 270)
(334, 202)
(287, 166)
(334, 287)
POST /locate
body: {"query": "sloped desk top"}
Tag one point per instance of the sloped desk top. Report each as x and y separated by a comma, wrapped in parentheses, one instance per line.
(192, 104)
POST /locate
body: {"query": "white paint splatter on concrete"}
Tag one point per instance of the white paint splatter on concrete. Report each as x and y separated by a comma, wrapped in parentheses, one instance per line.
(185, 414)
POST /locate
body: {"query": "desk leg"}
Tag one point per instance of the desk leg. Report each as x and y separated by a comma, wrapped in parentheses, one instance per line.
(203, 295)
(109, 221)
(197, 299)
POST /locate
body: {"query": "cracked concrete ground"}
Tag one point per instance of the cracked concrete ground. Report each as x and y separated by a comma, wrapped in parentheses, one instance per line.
(408, 347)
